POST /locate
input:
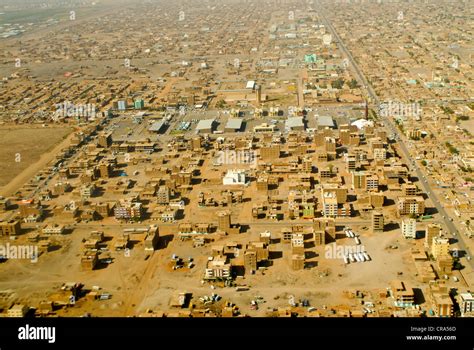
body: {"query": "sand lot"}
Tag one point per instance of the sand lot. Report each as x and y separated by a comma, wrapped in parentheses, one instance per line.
(21, 147)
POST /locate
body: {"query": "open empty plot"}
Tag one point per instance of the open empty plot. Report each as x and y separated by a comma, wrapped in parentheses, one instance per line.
(21, 147)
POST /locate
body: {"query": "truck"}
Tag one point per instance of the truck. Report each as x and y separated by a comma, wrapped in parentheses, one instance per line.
(104, 296)
(357, 240)
(346, 260)
(351, 257)
(241, 288)
(366, 256)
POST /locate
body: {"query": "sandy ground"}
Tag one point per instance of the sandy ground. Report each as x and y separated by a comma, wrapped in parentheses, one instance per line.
(36, 147)
(138, 284)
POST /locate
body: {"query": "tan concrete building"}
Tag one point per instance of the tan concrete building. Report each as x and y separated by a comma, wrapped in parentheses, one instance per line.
(17, 310)
(377, 221)
(431, 231)
(10, 227)
(440, 247)
(411, 205)
(297, 262)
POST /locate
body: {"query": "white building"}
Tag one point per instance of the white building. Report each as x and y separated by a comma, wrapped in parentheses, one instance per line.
(409, 228)
(466, 304)
(235, 177)
(53, 229)
(217, 267)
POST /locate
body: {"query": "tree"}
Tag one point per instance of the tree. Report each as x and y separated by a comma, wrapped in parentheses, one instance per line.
(338, 83)
(353, 84)
(221, 104)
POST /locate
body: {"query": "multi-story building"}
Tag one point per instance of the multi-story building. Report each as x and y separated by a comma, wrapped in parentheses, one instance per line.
(10, 227)
(128, 210)
(377, 221)
(152, 238)
(17, 310)
(105, 140)
(89, 260)
(325, 173)
(121, 212)
(411, 205)
(409, 189)
(440, 298)
(358, 180)
(345, 136)
(440, 247)
(351, 163)
(466, 304)
(87, 191)
(330, 144)
(332, 209)
(270, 152)
(217, 268)
(297, 243)
(380, 154)
(223, 221)
(402, 293)
(330, 205)
(250, 261)
(262, 183)
(376, 199)
(323, 227)
(297, 262)
(105, 170)
(163, 195)
(409, 228)
(372, 182)
(265, 237)
(340, 192)
(431, 231)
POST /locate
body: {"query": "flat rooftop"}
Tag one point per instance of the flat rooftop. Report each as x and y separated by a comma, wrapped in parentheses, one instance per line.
(205, 124)
(234, 123)
(157, 126)
(294, 122)
(324, 120)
